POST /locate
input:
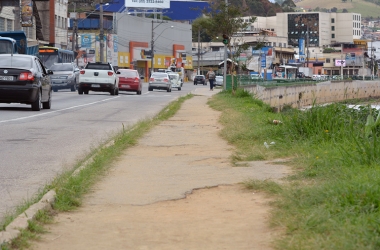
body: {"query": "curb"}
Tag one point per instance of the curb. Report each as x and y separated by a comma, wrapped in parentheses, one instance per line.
(13, 230)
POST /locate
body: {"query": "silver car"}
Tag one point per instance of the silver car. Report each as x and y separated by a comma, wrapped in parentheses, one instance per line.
(218, 80)
(159, 80)
(66, 76)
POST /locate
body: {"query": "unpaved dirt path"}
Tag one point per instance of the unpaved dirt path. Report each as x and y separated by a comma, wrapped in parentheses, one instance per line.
(174, 190)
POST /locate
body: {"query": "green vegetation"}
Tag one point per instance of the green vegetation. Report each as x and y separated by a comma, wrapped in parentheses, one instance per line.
(71, 185)
(332, 199)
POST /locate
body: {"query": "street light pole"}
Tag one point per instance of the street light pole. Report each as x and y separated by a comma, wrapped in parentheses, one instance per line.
(101, 32)
(199, 38)
(152, 51)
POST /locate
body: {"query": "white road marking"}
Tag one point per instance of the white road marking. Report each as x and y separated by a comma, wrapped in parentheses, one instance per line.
(50, 112)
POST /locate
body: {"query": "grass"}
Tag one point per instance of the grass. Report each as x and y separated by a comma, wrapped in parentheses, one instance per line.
(70, 186)
(332, 199)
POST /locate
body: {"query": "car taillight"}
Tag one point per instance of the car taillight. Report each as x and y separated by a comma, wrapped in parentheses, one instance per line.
(137, 79)
(166, 80)
(82, 72)
(26, 77)
(110, 73)
(151, 79)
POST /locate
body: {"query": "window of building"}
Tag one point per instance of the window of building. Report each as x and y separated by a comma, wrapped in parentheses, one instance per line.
(332, 35)
(327, 60)
(56, 20)
(332, 20)
(9, 25)
(2, 24)
(274, 44)
(332, 28)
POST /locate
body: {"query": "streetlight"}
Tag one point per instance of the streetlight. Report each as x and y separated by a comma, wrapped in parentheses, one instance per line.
(101, 32)
(152, 42)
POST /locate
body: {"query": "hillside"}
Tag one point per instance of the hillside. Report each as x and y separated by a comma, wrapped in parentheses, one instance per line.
(366, 9)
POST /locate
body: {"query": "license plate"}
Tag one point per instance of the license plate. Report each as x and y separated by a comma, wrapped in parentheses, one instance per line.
(95, 85)
(6, 78)
(126, 86)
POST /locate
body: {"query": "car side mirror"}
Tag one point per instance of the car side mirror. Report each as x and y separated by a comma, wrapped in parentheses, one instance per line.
(118, 73)
(50, 72)
(142, 77)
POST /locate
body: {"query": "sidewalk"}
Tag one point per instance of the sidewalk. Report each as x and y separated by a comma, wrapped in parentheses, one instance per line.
(176, 190)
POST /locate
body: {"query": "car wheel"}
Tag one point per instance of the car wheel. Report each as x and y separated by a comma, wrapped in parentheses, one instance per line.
(168, 90)
(138, 92)
(150, 89)
(73, 87)
(179, 88)
(80, 91)
(47, 105)
(117, 91)
(55, 90)
(37, 104)
(85, 92)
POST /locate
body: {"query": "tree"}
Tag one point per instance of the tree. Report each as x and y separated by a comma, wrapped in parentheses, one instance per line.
(345, 11)
(344, 1)
(227, 21)
(334, 9)
(199, 25)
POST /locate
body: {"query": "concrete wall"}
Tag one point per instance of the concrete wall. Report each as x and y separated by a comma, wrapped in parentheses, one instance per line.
(324, 92)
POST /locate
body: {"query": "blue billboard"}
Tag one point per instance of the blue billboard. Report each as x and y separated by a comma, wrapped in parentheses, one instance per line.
(301, 46)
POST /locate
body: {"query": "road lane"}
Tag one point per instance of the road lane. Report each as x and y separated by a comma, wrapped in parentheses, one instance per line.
(36, 146)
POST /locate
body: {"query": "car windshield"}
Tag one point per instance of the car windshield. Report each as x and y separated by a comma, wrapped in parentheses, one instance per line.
(159, 75)
(61, 67)
(16, 62)
(174, 77)
(128, 73)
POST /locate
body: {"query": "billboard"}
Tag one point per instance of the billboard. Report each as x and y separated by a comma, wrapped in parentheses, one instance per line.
(158, 4)
(301, 46)
(26, 13)
(340, 63)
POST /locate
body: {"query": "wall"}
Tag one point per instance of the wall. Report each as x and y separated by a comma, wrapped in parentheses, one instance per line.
(323, 92)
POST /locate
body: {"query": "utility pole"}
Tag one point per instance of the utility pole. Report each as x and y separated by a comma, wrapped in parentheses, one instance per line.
(199, 49)
(341, 61)
(76, 39)
(225, 56)
(101, 32)
(307, 45)
(74, 30)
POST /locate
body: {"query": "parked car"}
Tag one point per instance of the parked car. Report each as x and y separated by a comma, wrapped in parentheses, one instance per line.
(129, 80)
(160, 80)
(66, 76)
(176, 80)
(24, 79)
(219, 80)
(200, 79)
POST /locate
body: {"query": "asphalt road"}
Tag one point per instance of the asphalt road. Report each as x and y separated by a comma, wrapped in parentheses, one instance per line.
(36, 146)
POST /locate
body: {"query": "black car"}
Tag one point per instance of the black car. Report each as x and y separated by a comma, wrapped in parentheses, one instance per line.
(66, 76)
(200, 79)
(24, 79)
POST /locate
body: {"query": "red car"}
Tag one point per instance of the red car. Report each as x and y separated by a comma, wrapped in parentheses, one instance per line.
(129, 80)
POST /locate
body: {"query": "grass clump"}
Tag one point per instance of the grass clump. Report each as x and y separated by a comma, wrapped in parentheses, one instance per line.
(332, 199)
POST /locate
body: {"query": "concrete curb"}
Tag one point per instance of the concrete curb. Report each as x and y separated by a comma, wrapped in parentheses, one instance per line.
(13, 230)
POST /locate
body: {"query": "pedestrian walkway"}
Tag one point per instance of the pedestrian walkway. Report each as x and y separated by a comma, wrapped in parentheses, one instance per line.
(175, 189)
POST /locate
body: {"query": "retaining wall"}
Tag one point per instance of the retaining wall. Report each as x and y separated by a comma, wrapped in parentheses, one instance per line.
(323, 92)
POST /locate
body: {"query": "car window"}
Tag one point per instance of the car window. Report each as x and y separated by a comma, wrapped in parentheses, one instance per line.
(127, 73)
(61, 67)
(159, 75)
(16, 62)
(173, 77)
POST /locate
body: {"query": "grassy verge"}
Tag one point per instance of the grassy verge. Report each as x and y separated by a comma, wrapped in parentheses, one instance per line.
(332, 199)
(71, 187)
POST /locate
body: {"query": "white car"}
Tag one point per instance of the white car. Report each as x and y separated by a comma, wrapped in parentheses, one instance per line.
(176, 80)
(218, 80)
